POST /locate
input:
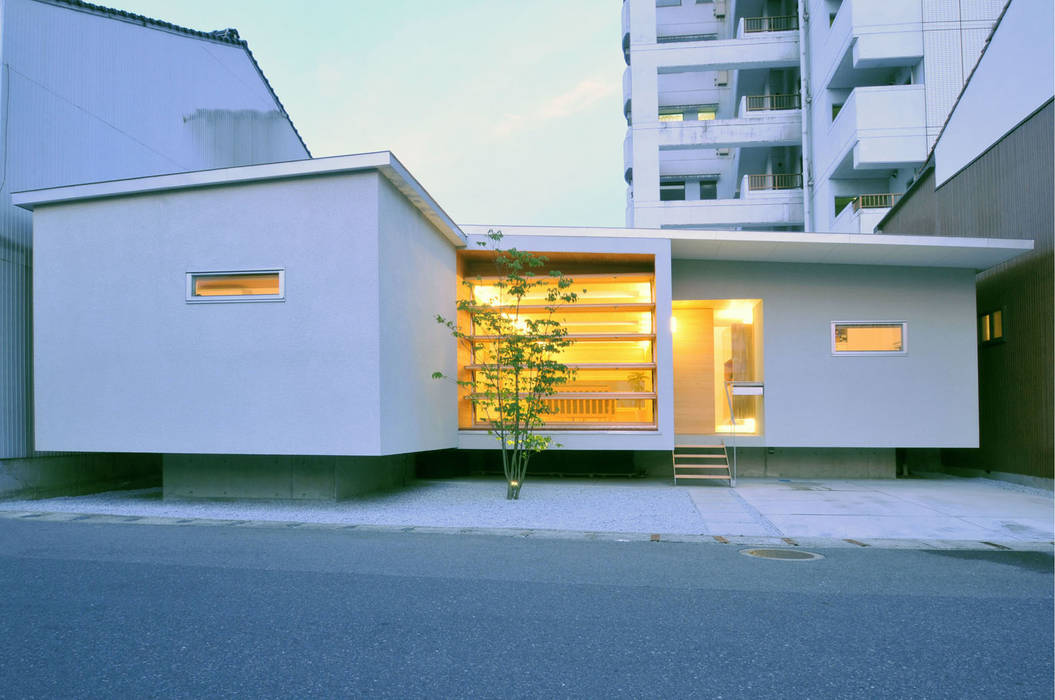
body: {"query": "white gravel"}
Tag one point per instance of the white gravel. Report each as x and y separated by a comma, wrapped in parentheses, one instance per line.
(550, 504)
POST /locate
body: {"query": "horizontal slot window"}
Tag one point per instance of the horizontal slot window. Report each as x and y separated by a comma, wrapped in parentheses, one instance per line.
(591, 289)
(256, 285)
(569, 410)
(596, 321)
(589, 352)
(609, 381)
(869, 338)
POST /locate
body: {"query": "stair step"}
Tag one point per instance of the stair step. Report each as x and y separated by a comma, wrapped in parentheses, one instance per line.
(698, 456)
(700, 476)
(700, 466)
(698, 447)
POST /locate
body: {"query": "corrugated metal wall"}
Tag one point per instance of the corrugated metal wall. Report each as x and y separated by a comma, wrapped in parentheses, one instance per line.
(1006, 193)
(87, 97)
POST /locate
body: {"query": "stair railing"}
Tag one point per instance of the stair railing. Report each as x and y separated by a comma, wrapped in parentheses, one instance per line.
(732, 421)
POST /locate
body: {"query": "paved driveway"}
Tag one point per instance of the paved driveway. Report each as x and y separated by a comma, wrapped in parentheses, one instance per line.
(919, 510)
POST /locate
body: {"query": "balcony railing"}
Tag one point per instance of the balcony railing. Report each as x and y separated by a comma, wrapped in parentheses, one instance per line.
(782, 23)
(774, 181)
(678, 38)
(875, 201)
(766, 103)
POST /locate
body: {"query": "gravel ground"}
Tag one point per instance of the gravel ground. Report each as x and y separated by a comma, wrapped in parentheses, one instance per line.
(551, 504)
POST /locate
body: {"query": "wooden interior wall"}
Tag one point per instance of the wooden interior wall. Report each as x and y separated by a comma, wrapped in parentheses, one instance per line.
(694, 372)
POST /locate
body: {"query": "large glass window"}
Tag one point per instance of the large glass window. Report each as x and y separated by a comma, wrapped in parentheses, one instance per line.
(613, 353)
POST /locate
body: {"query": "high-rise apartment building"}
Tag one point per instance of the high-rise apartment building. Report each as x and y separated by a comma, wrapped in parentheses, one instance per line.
(785, 115)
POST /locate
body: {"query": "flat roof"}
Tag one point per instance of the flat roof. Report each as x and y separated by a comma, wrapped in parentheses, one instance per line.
(383, 161)
(796, 247)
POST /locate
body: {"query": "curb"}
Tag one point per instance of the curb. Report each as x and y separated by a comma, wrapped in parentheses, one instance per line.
(533, 533)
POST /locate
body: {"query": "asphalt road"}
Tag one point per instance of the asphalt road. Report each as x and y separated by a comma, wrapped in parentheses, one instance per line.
(116, 610)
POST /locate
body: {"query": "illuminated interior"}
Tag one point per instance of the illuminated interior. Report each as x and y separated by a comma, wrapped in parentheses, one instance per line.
(869, 337)
(226, 285)
(716, 342)
(613, 354)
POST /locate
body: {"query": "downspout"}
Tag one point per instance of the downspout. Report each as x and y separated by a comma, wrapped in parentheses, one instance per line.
(807, 126)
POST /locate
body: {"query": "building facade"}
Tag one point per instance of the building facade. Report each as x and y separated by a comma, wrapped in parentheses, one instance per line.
(785, 115)
(89, 93)
(282, 336)
(992, 173)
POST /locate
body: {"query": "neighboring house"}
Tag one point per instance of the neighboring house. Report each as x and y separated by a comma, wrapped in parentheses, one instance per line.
(783, 115)
(992, 173)
(270, 330)
(89, 93)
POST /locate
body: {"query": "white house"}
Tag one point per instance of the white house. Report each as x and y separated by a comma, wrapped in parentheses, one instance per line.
(90, 93)
(270, 329)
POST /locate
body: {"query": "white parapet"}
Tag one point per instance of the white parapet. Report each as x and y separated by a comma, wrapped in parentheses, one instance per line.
(777, 208)
(874, 34)
(851, 220)
(878, 128)
(763, 50)
(782, 128)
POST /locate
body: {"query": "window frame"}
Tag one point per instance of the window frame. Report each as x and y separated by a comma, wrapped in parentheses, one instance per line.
(870, 353)
(235, 298)
(985, 323)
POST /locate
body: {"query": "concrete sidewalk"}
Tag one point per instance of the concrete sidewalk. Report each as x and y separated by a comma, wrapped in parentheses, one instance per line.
(926, 511)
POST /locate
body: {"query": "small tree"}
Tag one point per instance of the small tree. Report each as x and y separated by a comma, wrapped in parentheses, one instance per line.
(515, 353)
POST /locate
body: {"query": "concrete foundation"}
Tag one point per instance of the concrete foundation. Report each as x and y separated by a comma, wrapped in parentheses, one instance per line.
(282, 476)
(793, 462)
(77, 474)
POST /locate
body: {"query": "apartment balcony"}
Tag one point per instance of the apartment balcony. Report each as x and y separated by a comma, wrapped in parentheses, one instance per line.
(628, 149)
(762, 42)
(870, 36)
(757, 26)
(765, 200)
(878, 128)
(864, 213)
(757, 128)
(627, 91)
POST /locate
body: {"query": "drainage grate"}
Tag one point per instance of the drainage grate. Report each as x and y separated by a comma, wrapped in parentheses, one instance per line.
(784, 554)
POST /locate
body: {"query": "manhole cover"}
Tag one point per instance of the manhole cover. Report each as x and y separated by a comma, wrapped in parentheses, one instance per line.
(785, 554)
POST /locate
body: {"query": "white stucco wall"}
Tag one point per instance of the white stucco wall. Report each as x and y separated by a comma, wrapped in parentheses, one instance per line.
(926, 398)
(125, 364)
(418, 281)
(1016, 76)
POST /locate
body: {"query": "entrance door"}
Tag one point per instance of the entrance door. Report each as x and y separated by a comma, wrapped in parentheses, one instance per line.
(716, 341)
(693, 371)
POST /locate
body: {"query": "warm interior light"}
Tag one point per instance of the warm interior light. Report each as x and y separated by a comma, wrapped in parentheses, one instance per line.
(743, 425)
(673, 324)
(236, 284)
(737, 312)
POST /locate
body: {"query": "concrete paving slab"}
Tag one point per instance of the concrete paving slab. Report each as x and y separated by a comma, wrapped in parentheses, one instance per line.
(889, 526)
(913, 512)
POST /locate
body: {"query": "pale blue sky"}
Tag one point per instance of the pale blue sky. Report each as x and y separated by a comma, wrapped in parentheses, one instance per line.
(508, 112)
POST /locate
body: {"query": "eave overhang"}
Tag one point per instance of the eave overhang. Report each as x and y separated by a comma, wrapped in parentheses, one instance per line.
(383, 162)
(806, 248)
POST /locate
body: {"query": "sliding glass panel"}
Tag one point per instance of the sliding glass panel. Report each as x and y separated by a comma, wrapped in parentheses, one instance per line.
(570, 410)
(590, 289)
(596, 381)
(586, 322)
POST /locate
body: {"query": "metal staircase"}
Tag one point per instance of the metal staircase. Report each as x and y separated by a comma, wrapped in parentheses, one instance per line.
(699, 463)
